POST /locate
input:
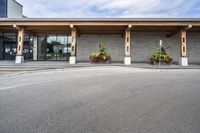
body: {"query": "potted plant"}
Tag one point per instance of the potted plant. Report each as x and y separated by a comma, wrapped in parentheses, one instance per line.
(101, 56)
(161, 56)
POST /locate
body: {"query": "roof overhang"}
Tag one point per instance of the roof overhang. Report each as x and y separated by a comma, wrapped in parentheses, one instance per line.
(98, 25)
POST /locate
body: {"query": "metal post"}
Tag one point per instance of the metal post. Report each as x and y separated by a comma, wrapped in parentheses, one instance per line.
(160, 52)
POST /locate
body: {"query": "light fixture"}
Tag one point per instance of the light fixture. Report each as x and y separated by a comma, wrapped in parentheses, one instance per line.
(14, 25)
(189, 26)
(71, 26)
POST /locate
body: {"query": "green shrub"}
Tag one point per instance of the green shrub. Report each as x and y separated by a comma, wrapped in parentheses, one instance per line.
(160, 55)
(101, 55)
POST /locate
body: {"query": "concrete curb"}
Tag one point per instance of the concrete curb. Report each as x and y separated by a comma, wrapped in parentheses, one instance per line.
(29, 68)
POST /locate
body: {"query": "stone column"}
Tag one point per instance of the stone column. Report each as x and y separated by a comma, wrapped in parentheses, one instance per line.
(19, 57)
(127, 51)
(183, 48)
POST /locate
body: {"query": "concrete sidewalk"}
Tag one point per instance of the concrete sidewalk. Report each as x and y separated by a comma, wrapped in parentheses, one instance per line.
(43, 65)
(31, 65)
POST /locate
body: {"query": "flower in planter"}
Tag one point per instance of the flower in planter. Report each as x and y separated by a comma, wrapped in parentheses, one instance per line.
(100, 56)
(160, 55)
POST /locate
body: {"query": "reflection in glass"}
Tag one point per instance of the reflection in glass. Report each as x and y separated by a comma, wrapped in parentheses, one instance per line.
(10, 46)
(3, 8)
(69, 44)
(51, 47)
(10, 37)
(62, 49)
(1, 46)
(41, 47)
(28, 47)
(31, 47)
(54, 47)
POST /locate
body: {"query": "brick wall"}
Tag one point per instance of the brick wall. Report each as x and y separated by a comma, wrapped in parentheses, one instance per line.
(88, 43)
(142, 46)
(193, 47)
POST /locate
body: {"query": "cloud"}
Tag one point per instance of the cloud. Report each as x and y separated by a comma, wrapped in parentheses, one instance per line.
(111, 8)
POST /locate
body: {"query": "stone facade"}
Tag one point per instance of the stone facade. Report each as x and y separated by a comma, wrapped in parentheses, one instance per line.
(193, 48)
(142, 46)
(88, 43)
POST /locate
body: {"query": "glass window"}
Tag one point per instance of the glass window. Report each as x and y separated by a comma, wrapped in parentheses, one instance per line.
(62, 48)
(31, 47)
(10, 46)
(53, 47)
(26, 38)
(69, 44)
(3, 8)
(42, 47)
(1, 46)
(10, 37)
(28, 47)
(62, 39)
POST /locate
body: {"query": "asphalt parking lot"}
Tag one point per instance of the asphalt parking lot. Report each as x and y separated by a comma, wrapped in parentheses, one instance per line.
(100, 100)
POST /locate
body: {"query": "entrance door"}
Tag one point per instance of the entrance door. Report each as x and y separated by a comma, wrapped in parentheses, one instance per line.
(28, 47)
(57, 47)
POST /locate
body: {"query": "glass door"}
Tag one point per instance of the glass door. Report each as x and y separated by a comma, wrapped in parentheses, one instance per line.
(52, 47)
(62, 48)
(28, 47)
(41, 48)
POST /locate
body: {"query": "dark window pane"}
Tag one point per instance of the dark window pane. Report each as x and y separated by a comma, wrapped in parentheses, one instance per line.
(1, 46)
(42, 47)
(10, 46)
(3, 8)
(62, 48)
(10, 37)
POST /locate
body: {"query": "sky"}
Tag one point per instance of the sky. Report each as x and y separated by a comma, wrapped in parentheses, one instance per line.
(111, 8)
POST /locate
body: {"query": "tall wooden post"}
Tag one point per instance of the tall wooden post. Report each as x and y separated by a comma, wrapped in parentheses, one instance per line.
(72, 59)
(127, 43)
(183, 48)
(127, 50)
(73, 45)
(19, 56)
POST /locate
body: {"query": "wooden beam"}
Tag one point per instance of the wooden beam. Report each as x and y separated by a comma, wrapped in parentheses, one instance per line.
(177, 30)
(172, 33)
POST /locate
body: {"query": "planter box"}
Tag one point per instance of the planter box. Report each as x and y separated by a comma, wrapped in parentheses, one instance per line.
(101, 62)
(161, 63)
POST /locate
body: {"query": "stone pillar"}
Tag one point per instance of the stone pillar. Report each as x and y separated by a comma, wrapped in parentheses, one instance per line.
(35, 48)
(72, 59)
(127, 56)
(19, 57)
(183, 48)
